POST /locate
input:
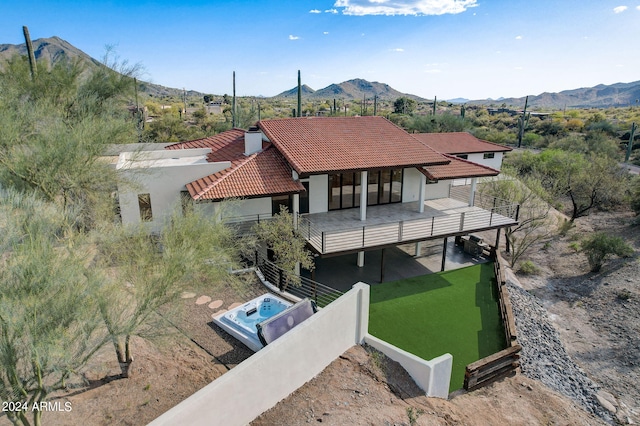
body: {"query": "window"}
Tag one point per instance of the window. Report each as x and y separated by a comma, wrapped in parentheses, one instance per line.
(144, 203)
(463, 156)
(281, 200)
(489, 155)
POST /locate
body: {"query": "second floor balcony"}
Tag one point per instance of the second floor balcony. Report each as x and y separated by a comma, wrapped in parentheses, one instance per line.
(342, 231)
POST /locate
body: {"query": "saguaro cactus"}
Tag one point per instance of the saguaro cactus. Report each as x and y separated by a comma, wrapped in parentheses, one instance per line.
(32, 56)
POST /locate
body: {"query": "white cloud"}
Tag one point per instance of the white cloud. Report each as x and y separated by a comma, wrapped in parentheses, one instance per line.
(314, 11)
(518, 68)
(325, 33)
(331, 11)
(292, 37)
(433, 71)
(397, 49)
(619, 9)
(404, 7)
(638, 7)
(518, 37)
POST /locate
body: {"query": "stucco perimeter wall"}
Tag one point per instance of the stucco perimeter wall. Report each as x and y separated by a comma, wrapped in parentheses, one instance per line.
(272, 373)
(432, 376)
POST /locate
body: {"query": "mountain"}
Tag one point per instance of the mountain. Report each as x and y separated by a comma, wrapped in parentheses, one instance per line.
(51, 50)
(600, 96)
(55, 49)
(352, 89)
(307, 92)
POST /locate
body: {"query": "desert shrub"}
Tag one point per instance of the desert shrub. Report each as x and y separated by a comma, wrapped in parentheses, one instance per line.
(600, 246)
(528, 268)
(564, 226)
(575, 246)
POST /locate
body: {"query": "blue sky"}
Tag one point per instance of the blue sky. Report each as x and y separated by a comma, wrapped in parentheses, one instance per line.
(446, 48)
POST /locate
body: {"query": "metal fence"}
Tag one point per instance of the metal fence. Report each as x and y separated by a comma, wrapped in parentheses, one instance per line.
(295, 284)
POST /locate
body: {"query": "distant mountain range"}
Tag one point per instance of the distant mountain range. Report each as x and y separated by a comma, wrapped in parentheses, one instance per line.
(352, 89)
(600, 96)
(54, 49)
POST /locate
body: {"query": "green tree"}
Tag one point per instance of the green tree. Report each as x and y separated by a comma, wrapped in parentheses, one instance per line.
(599, 247)
(54, 131)
(582, 181)
(288, 245)
(533, 220)
(193, 250)
(48, 327)
(404, 105)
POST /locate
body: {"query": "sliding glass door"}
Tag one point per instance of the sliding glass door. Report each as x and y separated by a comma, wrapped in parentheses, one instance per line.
(383, 187)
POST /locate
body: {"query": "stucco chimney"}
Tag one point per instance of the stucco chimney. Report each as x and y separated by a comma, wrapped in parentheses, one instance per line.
(252, 141)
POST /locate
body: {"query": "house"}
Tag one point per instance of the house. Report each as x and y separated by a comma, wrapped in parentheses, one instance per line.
(353, 183)
(466, 146)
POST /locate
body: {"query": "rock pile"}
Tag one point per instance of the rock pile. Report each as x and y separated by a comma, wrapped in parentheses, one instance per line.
(543, 356)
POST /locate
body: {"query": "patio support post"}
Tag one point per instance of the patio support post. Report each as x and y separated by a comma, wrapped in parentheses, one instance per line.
(498, 239)
(360, 259)
(418, 248)
(423, 188)
(364, 189)
(472, 194)
(444, 254)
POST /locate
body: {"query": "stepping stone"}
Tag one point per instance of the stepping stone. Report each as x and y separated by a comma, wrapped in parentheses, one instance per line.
(188, 295)
(220, 312)
(234, 305)
(202, 300)
(215, 304)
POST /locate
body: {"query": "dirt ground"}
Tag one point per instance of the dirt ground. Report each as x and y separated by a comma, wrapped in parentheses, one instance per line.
(364, 389)
(597, 316)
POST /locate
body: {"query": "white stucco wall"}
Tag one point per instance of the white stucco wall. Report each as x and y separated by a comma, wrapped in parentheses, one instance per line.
(238, 208)
(437, 190)
(411, 185)
(495, 162)
(318, 193)
(162, 174)
(433, 376)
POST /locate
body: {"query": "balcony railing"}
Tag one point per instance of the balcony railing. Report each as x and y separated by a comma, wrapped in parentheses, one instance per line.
(326, 240)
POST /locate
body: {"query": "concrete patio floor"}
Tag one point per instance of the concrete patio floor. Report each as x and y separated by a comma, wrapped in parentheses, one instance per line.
(341, 272)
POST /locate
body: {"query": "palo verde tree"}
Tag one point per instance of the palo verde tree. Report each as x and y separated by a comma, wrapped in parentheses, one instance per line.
(55, 128)
(582, 182)
(192, 251)
(289, 247)
(533, 220)
(48, 327)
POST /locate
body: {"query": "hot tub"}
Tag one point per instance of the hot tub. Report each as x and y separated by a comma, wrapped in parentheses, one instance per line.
(241, 322)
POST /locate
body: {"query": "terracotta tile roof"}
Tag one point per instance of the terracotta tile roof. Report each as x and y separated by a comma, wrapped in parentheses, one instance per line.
(260, 174)
(457, 169)
(325, 144)
(459, 143)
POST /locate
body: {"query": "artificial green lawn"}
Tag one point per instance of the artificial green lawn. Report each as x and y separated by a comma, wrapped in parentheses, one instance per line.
(452, 312)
